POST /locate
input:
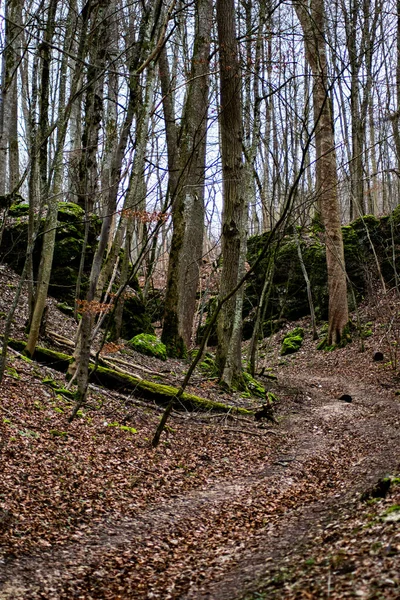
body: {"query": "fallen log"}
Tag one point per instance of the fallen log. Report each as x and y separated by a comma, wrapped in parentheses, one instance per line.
(126, 383)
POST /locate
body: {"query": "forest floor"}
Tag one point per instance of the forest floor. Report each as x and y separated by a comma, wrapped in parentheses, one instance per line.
(225, 507)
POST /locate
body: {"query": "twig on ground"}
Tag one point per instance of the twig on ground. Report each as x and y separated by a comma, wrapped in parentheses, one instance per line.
(255, 433)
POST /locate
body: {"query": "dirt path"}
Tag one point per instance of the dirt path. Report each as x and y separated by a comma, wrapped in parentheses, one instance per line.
(223, 539)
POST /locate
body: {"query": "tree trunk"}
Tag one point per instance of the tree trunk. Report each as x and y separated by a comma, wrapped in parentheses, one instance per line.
(7, 76)
(313, 24)
(187, 153)
(54, 179)
(234, 218)
(83, 353)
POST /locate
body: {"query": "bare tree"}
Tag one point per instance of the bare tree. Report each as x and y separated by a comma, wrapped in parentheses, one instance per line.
(235, 208)
(313, 24)
(186, 157)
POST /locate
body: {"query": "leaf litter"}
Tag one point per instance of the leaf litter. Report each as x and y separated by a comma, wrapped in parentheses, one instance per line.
(91, 511)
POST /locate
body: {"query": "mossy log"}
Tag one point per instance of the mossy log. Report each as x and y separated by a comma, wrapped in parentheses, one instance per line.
(148, 390)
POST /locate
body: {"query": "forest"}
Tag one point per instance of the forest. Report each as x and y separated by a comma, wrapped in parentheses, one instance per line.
(199, 299)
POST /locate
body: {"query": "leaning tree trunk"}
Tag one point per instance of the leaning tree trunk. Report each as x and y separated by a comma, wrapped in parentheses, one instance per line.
(234, 218)
(313, 24)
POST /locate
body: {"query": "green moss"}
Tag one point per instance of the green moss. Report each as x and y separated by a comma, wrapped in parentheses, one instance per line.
(346, 339)
(159, 392)
(62, 391)
(11, 372)
(292, 341)
(366, 333)
(253, 385)
(67, 250)
(208, 366)
(272, 398)
(323, 345)
(392, 509)
(123, 427)
(58, 360)
(149, 345)
(392, 514)
(65, 308)
(69, 211)
(135, 318)
(50, 381)
(26, 358)
(145, 389)
(57, 433)
(347, 335)
(19, 210)
(174, 343)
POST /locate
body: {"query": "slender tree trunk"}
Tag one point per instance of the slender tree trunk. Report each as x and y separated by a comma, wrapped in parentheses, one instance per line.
(49, 235)
(54, 180)
(136, 60)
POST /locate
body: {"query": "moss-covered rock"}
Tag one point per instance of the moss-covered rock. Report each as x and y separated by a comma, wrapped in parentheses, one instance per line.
(135, 317)
(287, 297)
(19, 209)
(367, 241)
(67, 256)
(66, 308)
(292, 341)
(149, 345)
(68, 245)
(69, 212)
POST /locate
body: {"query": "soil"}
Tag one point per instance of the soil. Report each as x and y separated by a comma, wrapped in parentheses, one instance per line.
(226, 507)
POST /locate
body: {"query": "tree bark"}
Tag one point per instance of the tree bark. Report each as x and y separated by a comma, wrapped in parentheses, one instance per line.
(140, 51)
(9, 65)
(187, 154)
(234, 218)
(313, 24)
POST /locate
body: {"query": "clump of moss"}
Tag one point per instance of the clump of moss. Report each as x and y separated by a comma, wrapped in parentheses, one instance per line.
(20, 209)
(65, 308)
(345, 339)
(208, 366)
(253, 386)
(392, 514)
(123, 427)
(12, 372)
(366, 330)
(272, 398)
(57, 433)
(149, 345)
(292, 341)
